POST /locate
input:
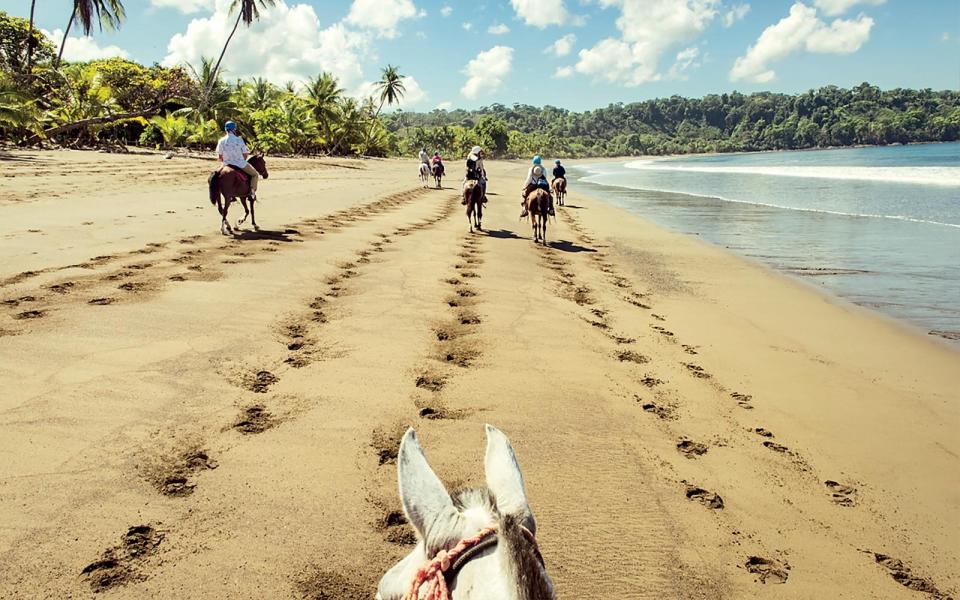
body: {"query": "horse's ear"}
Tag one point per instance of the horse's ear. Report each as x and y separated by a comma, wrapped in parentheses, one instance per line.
(424, 497)
(505, 479)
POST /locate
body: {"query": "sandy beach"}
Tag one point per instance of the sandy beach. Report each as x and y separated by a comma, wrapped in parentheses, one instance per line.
(188, 415)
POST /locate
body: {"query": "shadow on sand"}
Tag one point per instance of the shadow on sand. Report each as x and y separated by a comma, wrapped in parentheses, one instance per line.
(568, 246)
(266, 234)
(504, 234)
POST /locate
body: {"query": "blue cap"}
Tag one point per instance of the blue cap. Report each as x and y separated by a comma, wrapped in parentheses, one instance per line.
(229, 126)
(557, 161)
(536, 159)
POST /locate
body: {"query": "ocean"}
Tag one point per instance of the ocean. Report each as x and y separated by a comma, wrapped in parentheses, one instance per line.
(877, 226)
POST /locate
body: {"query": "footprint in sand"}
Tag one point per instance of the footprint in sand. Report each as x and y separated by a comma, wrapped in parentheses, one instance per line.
(118, 565)
(631, 356)
(697, 371)
(777, 447)
(691, 449)
(743, 400)
(255, 419)
(768, 570)
(903, 575)
(841, 494)
(666, 413)
(260, 381)
(704, 497)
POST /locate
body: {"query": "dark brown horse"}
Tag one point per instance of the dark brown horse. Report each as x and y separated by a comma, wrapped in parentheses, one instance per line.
(438, 173)
(473, 198)
(560, 189)
(233, 184)
(538, 207)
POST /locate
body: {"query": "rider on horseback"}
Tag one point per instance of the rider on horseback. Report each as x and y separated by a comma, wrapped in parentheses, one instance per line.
(476, 171)
(558, 171)
(536, 178)
(437, 160)
(424, 157)
(232, 152)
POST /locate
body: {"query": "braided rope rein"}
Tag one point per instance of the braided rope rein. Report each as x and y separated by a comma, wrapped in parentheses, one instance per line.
(431, 574)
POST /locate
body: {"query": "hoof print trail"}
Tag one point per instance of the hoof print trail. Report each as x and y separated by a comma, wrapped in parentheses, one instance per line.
(767, 570)
(697, 371)
(119, 565)
(431, 382)
(704, 497)
(663, 412)
(395, 529)
(631, 356)
(762, 432)
(743, 400)
(777, 447)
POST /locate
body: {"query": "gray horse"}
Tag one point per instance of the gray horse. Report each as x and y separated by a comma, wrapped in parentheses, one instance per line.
(478, 544)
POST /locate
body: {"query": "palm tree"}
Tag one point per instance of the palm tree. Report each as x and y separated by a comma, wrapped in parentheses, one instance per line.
(323, 97)
(248, 13)
(391, 90)
(215, 100)
(109, 13)
(30, 42)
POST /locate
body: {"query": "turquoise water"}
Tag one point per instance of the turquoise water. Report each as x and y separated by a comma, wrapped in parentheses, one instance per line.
(877, 226)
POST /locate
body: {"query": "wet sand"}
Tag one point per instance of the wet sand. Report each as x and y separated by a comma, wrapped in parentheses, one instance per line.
(190, 415)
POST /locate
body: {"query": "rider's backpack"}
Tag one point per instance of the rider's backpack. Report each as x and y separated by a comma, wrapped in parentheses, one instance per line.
(471, 169)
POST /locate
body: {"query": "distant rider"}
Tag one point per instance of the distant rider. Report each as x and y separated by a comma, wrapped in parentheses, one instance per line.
(476, 171)
(536, 178)
(558, 171)
(437, 160)
(424, 157)
(231, 151)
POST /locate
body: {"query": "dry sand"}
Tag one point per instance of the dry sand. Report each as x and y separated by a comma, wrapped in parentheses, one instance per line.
(186, 415)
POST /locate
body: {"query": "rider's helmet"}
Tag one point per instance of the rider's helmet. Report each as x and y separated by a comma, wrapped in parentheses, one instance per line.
(537, 160)
(557, 162)
(229, 126)
(476, 150)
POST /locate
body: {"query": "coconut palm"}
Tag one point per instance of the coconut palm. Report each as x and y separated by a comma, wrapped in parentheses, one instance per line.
(248, 13)
(215, 100)
(323, 97)
(109, 14)
(30, 42)
(391, 90)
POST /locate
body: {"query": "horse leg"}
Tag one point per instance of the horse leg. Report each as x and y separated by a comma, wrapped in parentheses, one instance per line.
(479, 216)
(253, 215)
(246, 211)
(470, 215)
(224, 225)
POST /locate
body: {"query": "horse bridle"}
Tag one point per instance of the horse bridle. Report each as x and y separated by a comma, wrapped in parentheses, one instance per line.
(490, 541)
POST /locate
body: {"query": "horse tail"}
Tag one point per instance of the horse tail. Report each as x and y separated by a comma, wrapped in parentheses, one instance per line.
(213, 182)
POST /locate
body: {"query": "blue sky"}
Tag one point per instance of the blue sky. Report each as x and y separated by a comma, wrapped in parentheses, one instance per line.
(577, 54)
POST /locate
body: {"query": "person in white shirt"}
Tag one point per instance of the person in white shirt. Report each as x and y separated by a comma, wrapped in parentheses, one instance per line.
(233, 152)
(424, 157)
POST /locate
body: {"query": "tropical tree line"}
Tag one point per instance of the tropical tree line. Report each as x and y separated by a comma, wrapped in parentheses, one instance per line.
(44, 99)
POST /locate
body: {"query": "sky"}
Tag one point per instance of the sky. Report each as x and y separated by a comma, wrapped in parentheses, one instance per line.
(576, 54)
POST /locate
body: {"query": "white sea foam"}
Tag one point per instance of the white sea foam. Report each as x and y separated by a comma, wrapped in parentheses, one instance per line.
(940, 176)
(599, 179)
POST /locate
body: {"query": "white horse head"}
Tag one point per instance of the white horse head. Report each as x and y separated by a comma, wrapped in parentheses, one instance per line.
(501, 563)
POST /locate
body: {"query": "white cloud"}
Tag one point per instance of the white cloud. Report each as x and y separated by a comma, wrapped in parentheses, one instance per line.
(467, 26)
(686, 59)
(832, 8)
(487, 71)
(381, 15)
(648, 28)
(498, 29)
(445, 106)
(184, 6)
(446, 10)
(735, 14)
(80, 49)
(800, 30)
(563, 46)
(563, 73)
(543, 13)
(945, 37)
(287, 43)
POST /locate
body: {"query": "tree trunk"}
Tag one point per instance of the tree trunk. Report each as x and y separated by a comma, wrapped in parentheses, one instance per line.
(63, 42)
(216, 67)
(83, 123)
(373, 125)
(33, 5)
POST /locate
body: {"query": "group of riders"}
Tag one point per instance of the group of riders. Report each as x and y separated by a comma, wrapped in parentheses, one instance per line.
(233, 152)
(536, 175)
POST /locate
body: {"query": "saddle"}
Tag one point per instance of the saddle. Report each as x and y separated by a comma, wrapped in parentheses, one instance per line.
(227, 169)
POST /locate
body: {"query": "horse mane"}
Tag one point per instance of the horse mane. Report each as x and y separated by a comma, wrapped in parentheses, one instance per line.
(532, 582)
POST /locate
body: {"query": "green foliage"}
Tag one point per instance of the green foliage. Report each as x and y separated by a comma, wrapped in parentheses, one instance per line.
(173, 129)
(14, 36)
(136, 87)
(830, 116)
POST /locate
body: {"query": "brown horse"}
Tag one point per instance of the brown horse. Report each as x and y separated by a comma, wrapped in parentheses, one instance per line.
(438, 173)
(473, 198)
(233, 184)
(560, 188)
(538, 207)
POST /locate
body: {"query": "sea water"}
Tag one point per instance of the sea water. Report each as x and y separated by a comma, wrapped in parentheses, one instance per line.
(877, 226)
